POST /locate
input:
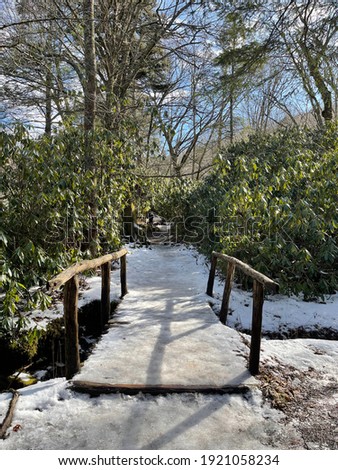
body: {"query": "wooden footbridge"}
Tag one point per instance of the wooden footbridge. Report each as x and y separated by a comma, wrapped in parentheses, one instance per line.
(164, 337)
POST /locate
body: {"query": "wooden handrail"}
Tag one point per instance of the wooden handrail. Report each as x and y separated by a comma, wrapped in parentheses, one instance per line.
(248, 270)
(85, 265)
(260, 282)
(69, 278)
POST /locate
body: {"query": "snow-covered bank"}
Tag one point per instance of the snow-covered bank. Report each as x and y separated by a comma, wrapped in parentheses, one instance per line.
(51, 416)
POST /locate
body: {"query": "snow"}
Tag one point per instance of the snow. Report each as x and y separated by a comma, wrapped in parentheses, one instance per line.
(177, 337)
(52, 416)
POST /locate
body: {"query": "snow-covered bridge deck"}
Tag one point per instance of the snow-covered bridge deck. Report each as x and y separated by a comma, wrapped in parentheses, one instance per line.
(164, 333)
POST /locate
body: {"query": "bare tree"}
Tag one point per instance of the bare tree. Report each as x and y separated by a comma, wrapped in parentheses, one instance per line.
(41, 73)
(299, 35)
(309, 32)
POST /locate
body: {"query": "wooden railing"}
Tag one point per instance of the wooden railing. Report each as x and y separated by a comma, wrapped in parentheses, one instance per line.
(260, 283)
(69, 278)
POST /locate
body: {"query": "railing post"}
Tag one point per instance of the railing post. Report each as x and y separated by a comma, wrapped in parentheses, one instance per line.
(123, 275)
(70, 301)
(212, 273)
(256, 327)
(226, 293)
(105, 293)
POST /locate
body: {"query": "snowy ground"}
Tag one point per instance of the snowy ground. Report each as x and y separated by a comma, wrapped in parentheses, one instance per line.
(51, 416)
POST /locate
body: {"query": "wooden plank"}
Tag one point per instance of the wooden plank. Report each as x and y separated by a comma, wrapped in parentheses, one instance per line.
(105, 293)
(256, 328)
(227, 291)
(97, 388)
(123, 275)
(85, 265)
(261, 278)
(9, 415)
(70, 302)
(212, 273)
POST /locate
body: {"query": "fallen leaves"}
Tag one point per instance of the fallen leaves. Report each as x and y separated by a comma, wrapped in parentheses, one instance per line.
(308, 400)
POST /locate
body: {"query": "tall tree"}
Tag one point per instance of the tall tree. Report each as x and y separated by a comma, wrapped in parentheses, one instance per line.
(301, 35)
(237, 43)
(90, 79)
(89, 113)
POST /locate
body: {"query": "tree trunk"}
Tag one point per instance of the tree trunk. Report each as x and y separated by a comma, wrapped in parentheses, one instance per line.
(326, 95)
(90, 79)
(48, 112)
(89, 112)
(231, 110)
(108, 119)
(176, 167)
(231, 104)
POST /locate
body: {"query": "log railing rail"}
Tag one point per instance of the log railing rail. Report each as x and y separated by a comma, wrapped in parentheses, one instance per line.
(69, 279)
(260, 283)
